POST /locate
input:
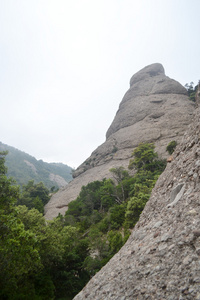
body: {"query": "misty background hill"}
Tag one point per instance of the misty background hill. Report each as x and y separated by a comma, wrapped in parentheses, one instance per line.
(24, 167)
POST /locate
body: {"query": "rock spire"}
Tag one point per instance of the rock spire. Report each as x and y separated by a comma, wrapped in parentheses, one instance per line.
(154, 109)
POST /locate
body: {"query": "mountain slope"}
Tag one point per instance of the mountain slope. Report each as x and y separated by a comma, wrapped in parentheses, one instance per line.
(161, 259)
(24, 167)
(155, 109)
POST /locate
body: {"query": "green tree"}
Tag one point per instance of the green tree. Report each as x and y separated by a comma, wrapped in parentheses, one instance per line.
(115, 241)
(19, 256)
(171, 147)
(117, 216)
(68, 273)
(34, 196)
(149, 167)
(107, 193)
(191, 89)
(92, 265)
(62, 252)
(144, 157)
(120, 176)
(134, 208)
(84, 210)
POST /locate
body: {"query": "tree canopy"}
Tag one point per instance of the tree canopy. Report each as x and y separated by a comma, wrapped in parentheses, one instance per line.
(54, 260)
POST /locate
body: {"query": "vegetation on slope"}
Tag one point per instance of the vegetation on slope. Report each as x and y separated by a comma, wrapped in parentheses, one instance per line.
(24, 167)
(55, 259)
(34, 196)
(191, 89)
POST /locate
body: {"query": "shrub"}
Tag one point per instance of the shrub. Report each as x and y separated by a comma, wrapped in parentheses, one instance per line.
(171, 147)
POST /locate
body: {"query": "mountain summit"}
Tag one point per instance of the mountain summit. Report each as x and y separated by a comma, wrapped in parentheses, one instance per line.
(154, 109)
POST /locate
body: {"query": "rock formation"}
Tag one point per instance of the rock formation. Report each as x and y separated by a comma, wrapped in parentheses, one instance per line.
(154, 109)
(161, 259)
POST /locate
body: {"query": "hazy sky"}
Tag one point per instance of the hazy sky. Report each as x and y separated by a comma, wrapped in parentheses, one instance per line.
(66, 64)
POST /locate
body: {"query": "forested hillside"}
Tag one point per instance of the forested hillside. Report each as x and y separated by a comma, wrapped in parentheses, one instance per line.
(24, 167)
(42, 259)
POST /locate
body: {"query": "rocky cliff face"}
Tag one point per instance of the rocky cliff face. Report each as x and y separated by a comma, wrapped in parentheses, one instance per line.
(155, 109)
(161, 259)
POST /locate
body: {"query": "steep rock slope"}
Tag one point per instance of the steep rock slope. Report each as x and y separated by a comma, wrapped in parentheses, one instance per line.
(154, 109)
(161, 259)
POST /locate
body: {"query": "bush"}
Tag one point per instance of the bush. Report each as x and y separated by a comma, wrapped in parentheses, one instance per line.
(171, 147)
(144, 157)
(117, 216)
(191, 89)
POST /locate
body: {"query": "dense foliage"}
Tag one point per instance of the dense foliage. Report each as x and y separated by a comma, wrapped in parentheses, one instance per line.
(34, 196)
(38, 260)
(171, 147)
(54, 260)
(106, 210)
(24, 167)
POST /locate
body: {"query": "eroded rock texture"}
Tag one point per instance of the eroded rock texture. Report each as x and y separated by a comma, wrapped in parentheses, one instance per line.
(161, 259)
(155, 109)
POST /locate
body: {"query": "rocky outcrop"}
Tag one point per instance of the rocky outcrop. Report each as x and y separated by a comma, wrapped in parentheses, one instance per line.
(161, 259)
(155, 109)
(58, 179)
(32, 166)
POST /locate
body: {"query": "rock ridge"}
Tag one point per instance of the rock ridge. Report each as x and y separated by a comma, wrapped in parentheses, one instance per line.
(154, 109)
(161, 259)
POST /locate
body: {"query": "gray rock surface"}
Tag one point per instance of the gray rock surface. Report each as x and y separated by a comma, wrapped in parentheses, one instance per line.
(161, 259)
(155, 109)
(58, 179)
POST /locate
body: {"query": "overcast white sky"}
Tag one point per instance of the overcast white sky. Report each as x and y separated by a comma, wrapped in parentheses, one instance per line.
(66, 64)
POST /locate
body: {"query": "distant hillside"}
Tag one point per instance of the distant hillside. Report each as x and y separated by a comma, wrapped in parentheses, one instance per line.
(24, 167)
